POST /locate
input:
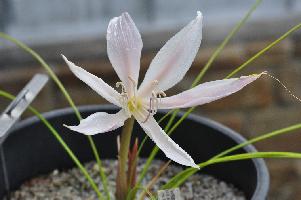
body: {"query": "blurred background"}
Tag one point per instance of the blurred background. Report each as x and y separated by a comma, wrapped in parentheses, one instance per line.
(77, 29)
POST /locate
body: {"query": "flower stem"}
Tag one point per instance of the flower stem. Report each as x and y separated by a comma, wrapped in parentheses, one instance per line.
(121, 185)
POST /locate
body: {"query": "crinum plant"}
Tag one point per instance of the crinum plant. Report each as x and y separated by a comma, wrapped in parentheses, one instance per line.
(167, 69)
(169, 66)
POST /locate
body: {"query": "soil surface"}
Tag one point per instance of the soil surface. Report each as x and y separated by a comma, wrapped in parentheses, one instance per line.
(72, 185)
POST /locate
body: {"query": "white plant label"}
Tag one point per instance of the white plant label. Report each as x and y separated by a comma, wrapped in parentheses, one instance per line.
(171, 194)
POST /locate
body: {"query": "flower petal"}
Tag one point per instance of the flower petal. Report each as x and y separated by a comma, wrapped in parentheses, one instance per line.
(124, 46)
(166, 144)
(207, 92)
(100, 122)
(174, 59)
(97, 84)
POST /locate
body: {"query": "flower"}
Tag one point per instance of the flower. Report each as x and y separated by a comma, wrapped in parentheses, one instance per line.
(169, 66)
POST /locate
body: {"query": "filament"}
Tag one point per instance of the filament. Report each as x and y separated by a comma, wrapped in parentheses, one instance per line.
(134, 85)
(154, 103)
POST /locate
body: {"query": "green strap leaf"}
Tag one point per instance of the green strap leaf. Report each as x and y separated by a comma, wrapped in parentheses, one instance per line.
(53, 76)
(176, 182)
(62, 142)
(185, 174)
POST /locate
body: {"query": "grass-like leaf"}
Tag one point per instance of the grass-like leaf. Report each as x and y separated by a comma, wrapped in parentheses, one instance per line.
(257, 55)
(61, 141)
(53, 76)
(181, 177)
(179, 180)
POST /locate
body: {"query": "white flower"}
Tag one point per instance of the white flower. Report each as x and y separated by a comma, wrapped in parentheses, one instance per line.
(124, 46)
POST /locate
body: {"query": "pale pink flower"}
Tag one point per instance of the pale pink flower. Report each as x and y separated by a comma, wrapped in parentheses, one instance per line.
(169, 66)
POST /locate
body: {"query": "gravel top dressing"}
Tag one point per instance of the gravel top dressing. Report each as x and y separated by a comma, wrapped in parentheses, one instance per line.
(72, 185)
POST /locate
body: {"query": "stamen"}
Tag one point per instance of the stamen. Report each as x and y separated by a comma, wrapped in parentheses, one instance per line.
(120, 84)
(154, 100)
(147, 117)
(155, 83)
(153, 107)
(161, 94)
(134, 85)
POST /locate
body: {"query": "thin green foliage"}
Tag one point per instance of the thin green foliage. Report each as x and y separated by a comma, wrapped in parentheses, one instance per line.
(53, 76)
(181, 177)
(177, 182)
(252, 155)
(257, 55)
(197, 80)
(61, 141)
(171, 119)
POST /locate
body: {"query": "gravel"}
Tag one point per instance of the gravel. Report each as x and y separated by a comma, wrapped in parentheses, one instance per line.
(72, 185)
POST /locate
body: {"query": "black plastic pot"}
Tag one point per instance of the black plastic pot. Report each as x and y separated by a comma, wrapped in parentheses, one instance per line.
(31, 150)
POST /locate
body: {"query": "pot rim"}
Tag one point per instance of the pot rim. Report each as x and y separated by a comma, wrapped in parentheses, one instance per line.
(263, 178)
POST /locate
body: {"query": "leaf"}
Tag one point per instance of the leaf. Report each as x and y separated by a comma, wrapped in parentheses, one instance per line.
(59, 84)
(185, 174)
(180, 178)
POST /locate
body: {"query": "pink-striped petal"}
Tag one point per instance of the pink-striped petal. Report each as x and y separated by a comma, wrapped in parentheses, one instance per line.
(174, 59)
(207, 92)
(97, 84)
(100, 122)
(166, 144)
(124, 46)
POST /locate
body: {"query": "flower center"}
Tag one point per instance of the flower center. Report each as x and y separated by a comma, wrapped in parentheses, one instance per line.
(130, 101)
(134, 104)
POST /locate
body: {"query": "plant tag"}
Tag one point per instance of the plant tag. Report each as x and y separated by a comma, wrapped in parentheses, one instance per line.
(15, 109)
(171, 194)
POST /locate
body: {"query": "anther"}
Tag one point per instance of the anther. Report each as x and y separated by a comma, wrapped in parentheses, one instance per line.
(161, 94)
(123, 94)
(155, 82)
(120, 84)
